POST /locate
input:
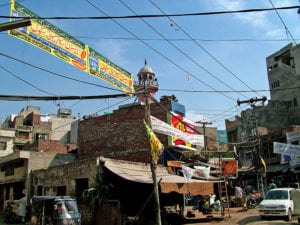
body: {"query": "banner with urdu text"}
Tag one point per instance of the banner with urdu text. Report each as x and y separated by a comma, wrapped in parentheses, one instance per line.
(164, 128)
(56, 42)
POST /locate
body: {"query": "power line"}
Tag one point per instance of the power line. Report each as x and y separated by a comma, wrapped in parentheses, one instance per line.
(180, 50)
(53, 73)
(18, 77)
(285, 27)
(207, 52)
(226, 91)
(51, 98)
(106, 17)
(158, 52)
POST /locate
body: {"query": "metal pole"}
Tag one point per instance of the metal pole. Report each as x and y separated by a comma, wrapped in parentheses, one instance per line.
(204, 123)
(15, 24)
(153, 164)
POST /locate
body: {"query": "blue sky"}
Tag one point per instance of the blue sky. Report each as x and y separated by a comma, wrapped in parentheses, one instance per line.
(207, 62)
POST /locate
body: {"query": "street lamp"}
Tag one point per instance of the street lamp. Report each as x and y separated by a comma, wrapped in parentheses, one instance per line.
(15, 24)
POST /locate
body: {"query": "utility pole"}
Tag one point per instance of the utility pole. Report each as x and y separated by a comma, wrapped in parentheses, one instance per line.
(153, 163)
(204, 124)
(15, 24)
(252, 134)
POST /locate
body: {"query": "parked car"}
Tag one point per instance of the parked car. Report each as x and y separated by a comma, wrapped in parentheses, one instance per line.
(278, 203)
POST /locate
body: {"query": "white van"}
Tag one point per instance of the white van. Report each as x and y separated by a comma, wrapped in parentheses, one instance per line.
(278, 202)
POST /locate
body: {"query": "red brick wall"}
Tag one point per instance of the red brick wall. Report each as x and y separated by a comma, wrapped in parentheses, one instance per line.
(119, 135)
(47, 146)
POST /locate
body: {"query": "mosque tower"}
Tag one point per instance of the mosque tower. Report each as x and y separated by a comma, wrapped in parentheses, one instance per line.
(146, 81)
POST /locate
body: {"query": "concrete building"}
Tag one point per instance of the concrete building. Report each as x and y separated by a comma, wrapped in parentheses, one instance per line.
(7, 137)
(263, 124)
(32, 141)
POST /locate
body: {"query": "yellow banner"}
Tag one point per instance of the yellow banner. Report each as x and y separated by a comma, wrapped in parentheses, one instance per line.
(51, 39)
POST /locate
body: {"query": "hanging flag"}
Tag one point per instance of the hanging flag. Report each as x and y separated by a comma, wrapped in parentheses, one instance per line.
(156, 146)
(265, 166)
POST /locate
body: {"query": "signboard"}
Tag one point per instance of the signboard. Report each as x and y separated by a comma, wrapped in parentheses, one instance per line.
(229, 167)
(289, 153)
(184, 125)
(164, 128)
(56, 42)
(222, 137)
(292, 136)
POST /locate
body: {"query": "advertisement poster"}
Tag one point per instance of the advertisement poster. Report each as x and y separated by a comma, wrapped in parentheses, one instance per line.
(184, 125)
(229, 167)
(56, 42)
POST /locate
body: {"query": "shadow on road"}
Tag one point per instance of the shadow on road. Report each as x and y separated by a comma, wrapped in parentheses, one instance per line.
(249, 219)
(271, 221)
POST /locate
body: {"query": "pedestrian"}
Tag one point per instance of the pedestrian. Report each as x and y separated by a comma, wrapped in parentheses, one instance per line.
(248, 189)
(272, 184)
(239, 194)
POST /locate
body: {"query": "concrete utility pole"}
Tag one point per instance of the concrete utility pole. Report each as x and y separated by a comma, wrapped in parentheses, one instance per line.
(153, 163)
(259, 178)
(204, 124)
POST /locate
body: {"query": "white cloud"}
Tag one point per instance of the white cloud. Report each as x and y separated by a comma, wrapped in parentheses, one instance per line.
(114, 51)
(193, 116)
(255, 19)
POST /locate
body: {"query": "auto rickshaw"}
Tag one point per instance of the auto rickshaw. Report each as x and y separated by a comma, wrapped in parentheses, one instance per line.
(54, 210)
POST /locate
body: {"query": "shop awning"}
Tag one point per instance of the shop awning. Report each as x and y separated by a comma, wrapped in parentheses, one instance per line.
(141, 172)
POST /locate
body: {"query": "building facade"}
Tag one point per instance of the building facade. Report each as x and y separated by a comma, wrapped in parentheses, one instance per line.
(255, 130)
(32, 141)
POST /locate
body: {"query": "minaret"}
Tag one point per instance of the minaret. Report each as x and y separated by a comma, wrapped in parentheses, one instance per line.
(146, 81)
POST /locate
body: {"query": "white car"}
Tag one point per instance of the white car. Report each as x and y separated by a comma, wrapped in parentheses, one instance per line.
(277, 202)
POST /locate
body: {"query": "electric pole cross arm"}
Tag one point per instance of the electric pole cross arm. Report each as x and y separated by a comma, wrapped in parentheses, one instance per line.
(252, 100)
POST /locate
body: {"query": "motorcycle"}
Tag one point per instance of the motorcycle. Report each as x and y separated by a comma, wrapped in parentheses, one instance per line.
(253, 200)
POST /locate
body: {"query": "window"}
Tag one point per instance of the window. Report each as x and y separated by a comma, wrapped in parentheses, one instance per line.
(42, 136)
(3, 145)
(275, 84)
(295, 102)
(61, 190)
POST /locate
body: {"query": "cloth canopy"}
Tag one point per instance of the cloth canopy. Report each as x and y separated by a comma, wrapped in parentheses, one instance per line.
(141, 172)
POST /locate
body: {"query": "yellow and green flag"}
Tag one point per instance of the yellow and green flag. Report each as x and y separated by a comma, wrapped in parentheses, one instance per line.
(264, 165)
(156, 146)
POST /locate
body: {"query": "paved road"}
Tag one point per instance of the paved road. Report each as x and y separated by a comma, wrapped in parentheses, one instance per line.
(240, 217)
(232, 217)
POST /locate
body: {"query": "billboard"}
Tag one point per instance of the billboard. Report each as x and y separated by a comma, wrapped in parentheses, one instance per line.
(164, 128)
(184, 125)
(229, 167)
(56, 42)
(222, 137)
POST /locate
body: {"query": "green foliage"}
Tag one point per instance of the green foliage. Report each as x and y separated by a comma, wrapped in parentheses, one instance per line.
(96, 196)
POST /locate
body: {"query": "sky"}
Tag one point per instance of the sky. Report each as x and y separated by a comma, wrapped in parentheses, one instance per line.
(207, 61)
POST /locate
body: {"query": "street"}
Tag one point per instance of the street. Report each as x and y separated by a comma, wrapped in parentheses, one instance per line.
(238, 216)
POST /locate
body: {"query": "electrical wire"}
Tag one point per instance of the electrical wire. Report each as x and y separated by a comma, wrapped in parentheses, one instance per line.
(285, 27)
(206, 51)
(54, 73)
(159, 53)
(181, 51)
(106, 17)
(18, 77)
